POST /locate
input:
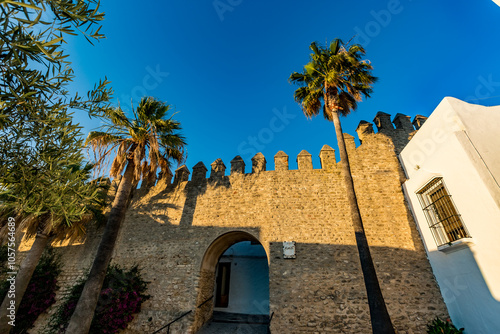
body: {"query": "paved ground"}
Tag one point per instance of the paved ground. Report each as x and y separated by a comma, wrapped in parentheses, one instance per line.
(233, 323)
(230, 328)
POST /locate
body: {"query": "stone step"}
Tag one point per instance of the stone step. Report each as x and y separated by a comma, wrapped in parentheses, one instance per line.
(236, 323)
(232, 328)
(219, 316)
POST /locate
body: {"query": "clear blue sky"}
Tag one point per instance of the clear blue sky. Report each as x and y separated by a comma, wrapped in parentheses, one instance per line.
(224, 65)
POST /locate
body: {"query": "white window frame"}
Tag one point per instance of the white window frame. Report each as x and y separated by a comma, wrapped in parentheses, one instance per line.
(444, 221)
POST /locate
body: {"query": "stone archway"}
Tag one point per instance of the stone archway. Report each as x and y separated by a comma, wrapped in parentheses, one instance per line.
(206, 284)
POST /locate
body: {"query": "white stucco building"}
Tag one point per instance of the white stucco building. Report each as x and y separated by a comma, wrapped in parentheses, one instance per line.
(453, 169)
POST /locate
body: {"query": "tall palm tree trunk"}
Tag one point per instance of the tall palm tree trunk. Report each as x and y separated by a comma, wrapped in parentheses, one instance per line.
(23, 278)
(381, 322)
(84, 312)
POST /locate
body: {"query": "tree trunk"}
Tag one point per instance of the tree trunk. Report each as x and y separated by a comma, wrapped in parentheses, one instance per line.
(22, 280)
(84, 312)
(381, 322)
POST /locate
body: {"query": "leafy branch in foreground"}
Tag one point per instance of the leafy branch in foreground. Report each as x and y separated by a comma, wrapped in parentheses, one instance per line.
(43, 176)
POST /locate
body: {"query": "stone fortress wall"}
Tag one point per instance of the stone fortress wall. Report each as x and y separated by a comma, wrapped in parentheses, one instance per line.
(177, 231)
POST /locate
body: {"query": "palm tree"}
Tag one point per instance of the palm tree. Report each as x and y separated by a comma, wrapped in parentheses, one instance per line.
(148, 133)
(334, 81)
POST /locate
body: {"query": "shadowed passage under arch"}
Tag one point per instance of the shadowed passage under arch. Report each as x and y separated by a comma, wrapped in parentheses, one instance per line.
(236, 256)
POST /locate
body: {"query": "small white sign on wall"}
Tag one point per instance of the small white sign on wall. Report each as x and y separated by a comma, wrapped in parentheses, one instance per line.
(289, 250)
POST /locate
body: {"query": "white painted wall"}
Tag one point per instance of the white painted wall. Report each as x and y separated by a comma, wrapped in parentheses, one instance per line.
(460, 143)
(249, 281)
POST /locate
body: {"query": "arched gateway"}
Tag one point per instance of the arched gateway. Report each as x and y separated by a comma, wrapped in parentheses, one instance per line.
(214, 282)
(178, 233)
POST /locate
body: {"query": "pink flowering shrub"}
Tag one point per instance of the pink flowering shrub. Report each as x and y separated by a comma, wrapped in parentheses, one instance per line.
(121, 297)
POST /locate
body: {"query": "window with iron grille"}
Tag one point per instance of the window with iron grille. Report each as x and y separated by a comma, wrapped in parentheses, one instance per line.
(444, 221)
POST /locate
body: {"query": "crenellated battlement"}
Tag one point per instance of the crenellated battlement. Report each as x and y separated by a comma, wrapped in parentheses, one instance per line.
(399, 130)
(178, 230)
(259, 165)
(383, 123)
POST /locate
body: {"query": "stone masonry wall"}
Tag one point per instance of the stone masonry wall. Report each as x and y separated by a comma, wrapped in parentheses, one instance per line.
(170, 231)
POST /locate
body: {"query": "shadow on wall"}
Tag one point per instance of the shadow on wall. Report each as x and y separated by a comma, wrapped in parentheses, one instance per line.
(197, 188)
(191, 190)
(169, 230)
(322, 289)
(465, 292)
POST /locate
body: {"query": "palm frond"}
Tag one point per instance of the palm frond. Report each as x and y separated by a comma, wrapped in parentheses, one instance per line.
(296, 77)
(117, 117)
(149, 134)
(139, 154)
(335, 46)
(314, 48)
(334, 80)
(100, 138)
(118, 165)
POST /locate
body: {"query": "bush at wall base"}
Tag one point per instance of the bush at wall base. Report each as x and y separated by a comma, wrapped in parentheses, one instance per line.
(443, 327)
(121, 297)
(39, 295)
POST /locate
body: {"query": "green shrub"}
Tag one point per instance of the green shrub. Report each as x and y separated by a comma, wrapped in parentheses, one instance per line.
(443, 327)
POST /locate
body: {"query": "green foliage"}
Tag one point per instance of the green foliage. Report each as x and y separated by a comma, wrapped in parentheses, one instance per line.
(121, 297)
(334, 80)
(40, 294)
(43, 178)
(57, 198)
(35, 69)
(443, 327)
(150, 138)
